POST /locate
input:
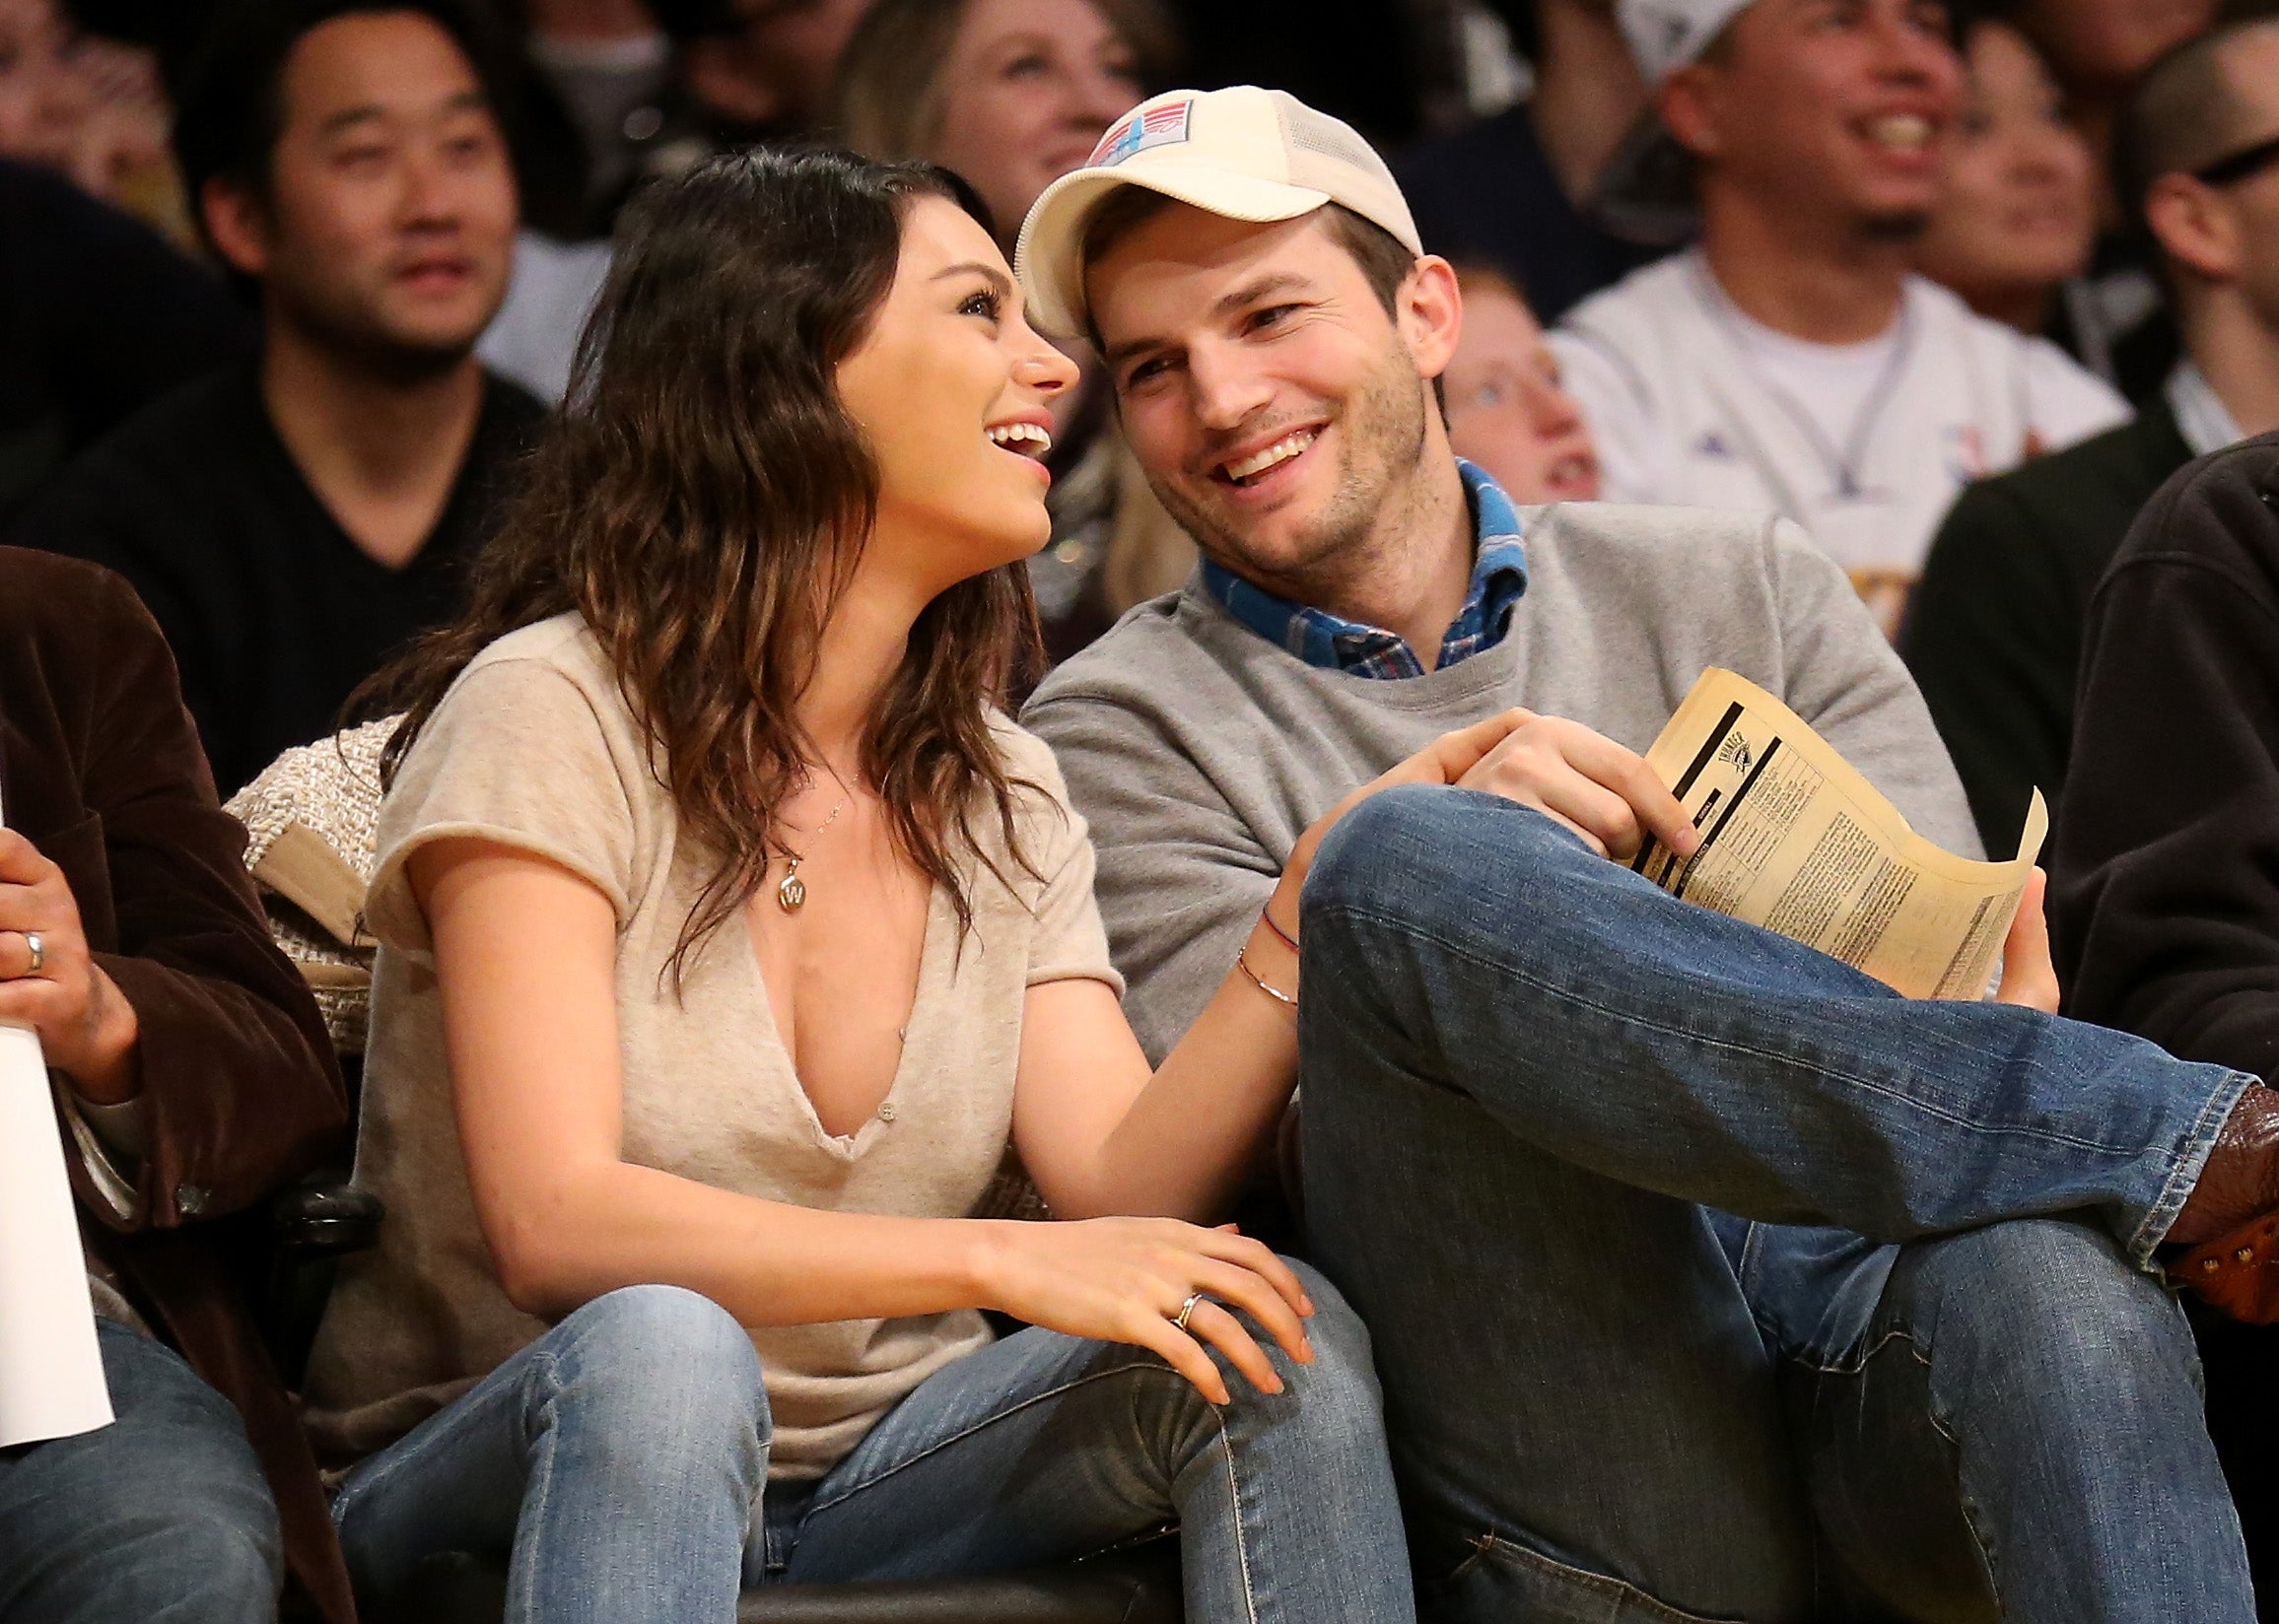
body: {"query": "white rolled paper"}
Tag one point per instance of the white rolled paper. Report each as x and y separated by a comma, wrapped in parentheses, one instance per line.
(51, 1381)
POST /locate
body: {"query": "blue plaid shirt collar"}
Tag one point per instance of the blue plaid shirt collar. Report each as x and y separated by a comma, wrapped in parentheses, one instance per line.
(1319, 638)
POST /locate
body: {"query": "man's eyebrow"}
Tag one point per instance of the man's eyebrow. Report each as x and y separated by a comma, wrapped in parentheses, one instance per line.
(469, 100)
(1262, 288)
(1243, 298)
(347, 116)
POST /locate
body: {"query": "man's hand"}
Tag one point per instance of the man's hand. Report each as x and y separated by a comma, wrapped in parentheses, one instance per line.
(1602, 791)
(2028, 977)
(87, 1027)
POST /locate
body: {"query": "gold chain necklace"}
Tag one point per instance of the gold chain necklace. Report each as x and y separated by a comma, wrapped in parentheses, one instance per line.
(792, 891)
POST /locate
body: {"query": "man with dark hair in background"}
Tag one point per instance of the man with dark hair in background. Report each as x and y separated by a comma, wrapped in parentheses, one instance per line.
(1994, 638)
(1792, 361)
(292, 521)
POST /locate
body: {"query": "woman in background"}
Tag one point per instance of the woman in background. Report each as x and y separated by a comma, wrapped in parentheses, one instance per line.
(2017, 216)
(1012, 95)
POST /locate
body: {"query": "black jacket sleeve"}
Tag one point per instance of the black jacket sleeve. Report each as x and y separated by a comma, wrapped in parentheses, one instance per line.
(2165, 874)
(1990, 640)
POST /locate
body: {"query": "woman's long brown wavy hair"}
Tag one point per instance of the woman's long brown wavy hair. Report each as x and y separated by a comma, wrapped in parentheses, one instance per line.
(702, 501)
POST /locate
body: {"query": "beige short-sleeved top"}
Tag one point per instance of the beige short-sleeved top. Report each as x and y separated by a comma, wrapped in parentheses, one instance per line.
(534, 747)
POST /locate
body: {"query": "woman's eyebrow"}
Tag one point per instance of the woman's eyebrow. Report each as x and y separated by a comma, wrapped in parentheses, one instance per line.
(974, 267)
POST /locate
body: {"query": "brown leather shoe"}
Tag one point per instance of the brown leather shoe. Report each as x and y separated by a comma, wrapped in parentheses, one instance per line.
(2239, 1273)
(2229, 1223)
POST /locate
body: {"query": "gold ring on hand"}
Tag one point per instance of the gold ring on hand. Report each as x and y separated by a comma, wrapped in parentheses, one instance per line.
(1185, 1309)
(39, 952)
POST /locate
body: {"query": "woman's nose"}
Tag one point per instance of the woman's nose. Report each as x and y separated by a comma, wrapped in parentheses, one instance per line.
(1045, 371)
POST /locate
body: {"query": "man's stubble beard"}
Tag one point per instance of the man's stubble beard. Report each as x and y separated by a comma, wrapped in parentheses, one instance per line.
(1899, 229)
(359, 339)
(1381, 440)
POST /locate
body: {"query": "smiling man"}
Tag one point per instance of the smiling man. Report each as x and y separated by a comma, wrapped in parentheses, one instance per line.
(1791, 362)
(292, 521)
(1558, 1127)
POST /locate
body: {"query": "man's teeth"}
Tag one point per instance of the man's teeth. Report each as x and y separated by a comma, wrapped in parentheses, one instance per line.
(1019, 437)
(1905, 132)
(1258, 463)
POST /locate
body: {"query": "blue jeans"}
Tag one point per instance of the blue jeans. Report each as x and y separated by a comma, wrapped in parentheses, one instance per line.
(163, 1516)
(1709, 1279)
(618, 1464)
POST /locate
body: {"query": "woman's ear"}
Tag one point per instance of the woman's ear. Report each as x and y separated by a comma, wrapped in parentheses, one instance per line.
(238, 223)
(1432, 314)
(2195, 226)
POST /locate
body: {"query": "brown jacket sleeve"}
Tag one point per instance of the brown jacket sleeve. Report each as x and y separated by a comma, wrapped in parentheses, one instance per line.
(104, 774)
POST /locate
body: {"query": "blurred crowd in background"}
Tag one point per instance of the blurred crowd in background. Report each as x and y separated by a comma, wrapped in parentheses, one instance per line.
(1668, 297)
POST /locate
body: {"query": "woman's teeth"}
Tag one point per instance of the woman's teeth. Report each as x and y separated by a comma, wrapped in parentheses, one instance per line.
(1258, 463)
(1900, 131)
(1024, 439)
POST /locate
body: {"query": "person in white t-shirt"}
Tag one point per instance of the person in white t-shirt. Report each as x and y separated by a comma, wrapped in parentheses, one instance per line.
(1792, 360)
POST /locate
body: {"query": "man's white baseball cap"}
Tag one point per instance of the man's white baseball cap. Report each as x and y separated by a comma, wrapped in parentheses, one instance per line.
(1243, 153)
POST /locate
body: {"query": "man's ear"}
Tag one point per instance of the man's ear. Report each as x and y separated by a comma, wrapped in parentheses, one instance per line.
(238, 225)
(2195, 226)
(1432, 314)
(1692, 110)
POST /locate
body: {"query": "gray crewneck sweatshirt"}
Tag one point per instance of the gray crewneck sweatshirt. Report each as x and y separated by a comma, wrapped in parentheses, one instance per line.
(1200, 750)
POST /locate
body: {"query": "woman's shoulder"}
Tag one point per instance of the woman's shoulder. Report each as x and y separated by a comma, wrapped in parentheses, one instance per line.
(1028, 764)
(546, 675)
(540, 704)
(562, 644)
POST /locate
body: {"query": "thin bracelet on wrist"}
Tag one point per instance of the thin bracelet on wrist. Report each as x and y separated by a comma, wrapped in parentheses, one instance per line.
(1242, 960)
(1280, 935)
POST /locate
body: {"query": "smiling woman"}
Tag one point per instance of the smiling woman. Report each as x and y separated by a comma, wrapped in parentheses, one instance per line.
(731, 932)
(2018, 209)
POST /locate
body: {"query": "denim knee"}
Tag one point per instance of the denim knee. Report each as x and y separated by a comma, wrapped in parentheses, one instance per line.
(1343, 1379)
(218, 1567)
(667, 1370)
(2049, 1305)
(1336, 1399)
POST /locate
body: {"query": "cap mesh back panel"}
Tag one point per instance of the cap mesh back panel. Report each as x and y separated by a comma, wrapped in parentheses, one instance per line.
(1313, 132)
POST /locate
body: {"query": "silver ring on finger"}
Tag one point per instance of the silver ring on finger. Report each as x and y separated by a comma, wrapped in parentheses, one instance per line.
(1185, 1309)
(39, 952)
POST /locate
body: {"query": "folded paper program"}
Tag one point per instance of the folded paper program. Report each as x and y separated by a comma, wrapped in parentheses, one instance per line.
(1796, 841)
(51, 1381)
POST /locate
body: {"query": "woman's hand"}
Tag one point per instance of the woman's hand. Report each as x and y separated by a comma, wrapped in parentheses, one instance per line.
(1124, 1280)
(87, 1027)
(2028, 977)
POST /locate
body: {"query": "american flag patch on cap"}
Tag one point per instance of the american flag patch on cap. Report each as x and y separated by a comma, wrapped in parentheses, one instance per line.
(1137, 131)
